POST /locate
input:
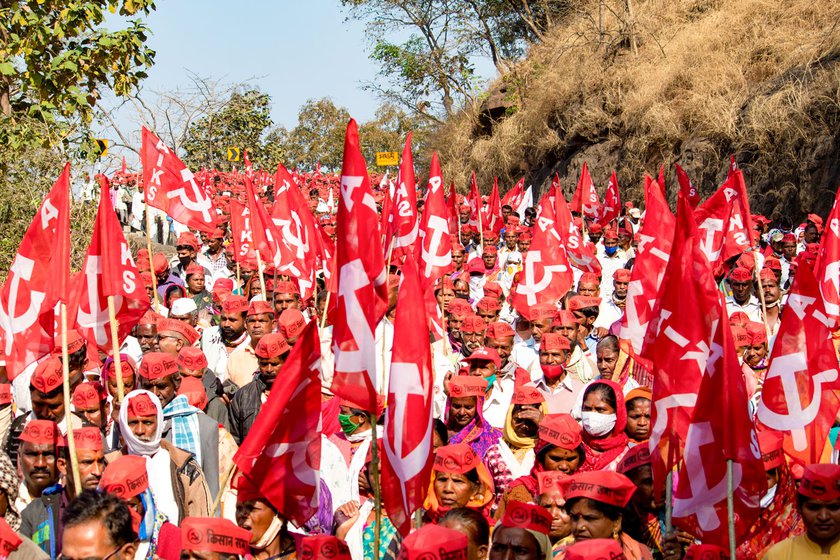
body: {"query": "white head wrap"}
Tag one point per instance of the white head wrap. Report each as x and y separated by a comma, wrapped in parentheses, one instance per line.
(135, 445)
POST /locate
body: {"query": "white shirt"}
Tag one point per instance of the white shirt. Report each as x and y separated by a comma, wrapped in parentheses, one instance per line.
(608, 314)
(497, 404)
(608, 267)
(215, 350)
(752, 308)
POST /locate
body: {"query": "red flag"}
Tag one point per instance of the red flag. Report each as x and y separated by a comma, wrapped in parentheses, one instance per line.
(687, 187)
(296, 225)
(37, 280)
(362, 286)
(579, 253)
(385, 217)
(612, 202)
(282, 458)
(585, 200)
(171, 187)
(721, 429)
(680, 343)
(108, 270)
(240, 231)
(407, 441)
(493, 219)
(724, 221)
(404, 210)
(249, 171)
(474, 200)
(434, 252)
(267, 239)
(514, 196)
(828, 265)
(799, 396)
(545, 276)
(655, 240)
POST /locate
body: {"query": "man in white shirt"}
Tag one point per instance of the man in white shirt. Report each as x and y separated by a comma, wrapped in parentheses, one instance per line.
(742, 299)
(612, 308)
(612, 259)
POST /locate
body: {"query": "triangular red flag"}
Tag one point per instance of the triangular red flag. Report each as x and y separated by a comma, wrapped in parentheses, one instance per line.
(404, 209)
(585, 200)
(724, 221)
(493, 219)
(828, 265)
(514, 196)
(579, 252)
(474, 201)
(434, 251)
(241, 233)
(612, 202)
(296, 225)
(687, 187)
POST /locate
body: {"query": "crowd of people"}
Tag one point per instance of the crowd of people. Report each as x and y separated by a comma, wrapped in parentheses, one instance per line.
(541, 428)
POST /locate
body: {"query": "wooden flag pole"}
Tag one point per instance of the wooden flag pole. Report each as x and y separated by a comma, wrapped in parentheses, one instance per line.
(260, 271)
(761, 298)
(669, 502)
(155, 300)
(222, 485)
(65, 371)
(324, 315)
(377, 490)
(238, 276)
(115, 345)
(730, 506)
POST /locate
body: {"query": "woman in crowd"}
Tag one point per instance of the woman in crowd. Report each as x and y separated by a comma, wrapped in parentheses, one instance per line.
(464, 418)
(616, 363)
(270, 537)
(459, 479)
(551, 498)
(603, 417)
(637, 403)
(471, 523)
(755, 357)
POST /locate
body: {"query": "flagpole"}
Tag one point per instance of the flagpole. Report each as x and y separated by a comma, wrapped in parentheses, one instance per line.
(387, 273)
(377, 491)
(65, 371)
(260, 271)
(115, 345)
(222, 485)
(151, 257)
(730, 506)
(761, 298)
(669, 502)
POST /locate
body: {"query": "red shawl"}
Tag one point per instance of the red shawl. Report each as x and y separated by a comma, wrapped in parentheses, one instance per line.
(601, 451)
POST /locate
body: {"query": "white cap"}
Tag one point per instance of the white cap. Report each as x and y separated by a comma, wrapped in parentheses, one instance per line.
(183, 306)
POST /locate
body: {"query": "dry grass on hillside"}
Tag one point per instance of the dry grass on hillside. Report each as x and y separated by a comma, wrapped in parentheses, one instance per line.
(759, 78)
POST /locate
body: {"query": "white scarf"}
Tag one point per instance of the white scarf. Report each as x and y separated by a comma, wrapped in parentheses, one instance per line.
(135, 446)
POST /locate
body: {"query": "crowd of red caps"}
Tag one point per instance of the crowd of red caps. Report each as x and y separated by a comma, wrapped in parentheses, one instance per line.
(542, 403)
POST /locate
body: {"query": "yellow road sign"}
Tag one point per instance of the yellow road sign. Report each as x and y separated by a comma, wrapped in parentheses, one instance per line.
(233, 154)
(101, 146)
(384, 159)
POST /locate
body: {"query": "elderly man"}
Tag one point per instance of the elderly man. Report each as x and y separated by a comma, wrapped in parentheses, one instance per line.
(742, 298)
(220, 341)
(558, 387)
(185, 426)
(146, 334)
(472, 334)
(499, 337)
(174, 335)
(175, 477)
(242, 362)
(98, 525)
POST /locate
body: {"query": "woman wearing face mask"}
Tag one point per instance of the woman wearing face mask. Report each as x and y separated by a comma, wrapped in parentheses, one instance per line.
(779, 516)
(551, 498)
(270, 537)
(559, 448)
(595, 502)
(603, 417)
(464, 418)
(638, 415)
(459, 479)
(513, 456)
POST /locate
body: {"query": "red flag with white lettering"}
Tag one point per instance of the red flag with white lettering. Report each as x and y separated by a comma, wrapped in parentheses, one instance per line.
(407, 441)
(655, 240)
(171, 187)
(828, 265)
(724, 221)
(434, 251)
(721, 430)
(546, 275)
(612, 202)
(474, 201)
(282, 458)
(679, 342)
(240, 231)
(687, 187)
(514, 196)
(452, 211)
(296, 225)
(267, 238)
(108, 270)
(362, 279)
(403, 222)
(799, 396)
(585, 200)
(37, 280)
(579, 253)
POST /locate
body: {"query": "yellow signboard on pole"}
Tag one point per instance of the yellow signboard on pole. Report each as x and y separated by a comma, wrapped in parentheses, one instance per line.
(101, 146)
(385, 159)
(233, 154)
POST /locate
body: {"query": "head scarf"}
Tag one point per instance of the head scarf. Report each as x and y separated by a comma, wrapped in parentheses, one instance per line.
(519, 446)
(602, 451)
(777, 521)
(433, 507)
(135, 446)
(10, 484)
(480, 435)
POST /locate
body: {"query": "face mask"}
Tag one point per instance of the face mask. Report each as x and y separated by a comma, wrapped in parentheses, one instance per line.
(347, 425)
(552, 372)
(490, 380)
(597, 424)
(270, 534)
(767, 498)
(610, 250)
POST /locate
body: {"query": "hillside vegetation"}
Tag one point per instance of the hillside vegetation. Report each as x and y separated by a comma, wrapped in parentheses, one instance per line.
(664, 81)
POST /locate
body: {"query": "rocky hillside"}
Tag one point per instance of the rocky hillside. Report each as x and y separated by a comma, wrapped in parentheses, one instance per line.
(664, 81)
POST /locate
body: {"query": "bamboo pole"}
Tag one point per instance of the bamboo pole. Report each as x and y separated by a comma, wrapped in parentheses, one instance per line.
(669, 502)
(115, 345)
(260, 271)
(377, 493)
(65, 371)
(149, 248)
(222, 485)
(730, 506)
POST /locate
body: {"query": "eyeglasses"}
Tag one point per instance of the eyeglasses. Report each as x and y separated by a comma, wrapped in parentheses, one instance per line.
(110, 555)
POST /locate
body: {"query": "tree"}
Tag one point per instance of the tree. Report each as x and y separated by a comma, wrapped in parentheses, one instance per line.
(318, 136)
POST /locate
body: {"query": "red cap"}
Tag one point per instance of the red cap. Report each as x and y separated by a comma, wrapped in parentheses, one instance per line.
(355, 396)
(223, 284)
(582, 302)
(740, 274)
(596, 228)
(235, 304)
(125, 477)
(788, 238)
(5, 393)
(458, 458)
(218, 233)
(141, 406)
(128, 367)
(564, 318)
(770, 442)
(286, 287)
(773, 263)
(595, 549)
(493, 289)
(473, 324)
(88, 438)
(527, 394)
(159, 263)
(194, 269)
(214, 534)
(458, 307)
(187, 238)
(149, 318)
(476, 265)
(193, 389)
(156, 365)
(191, 358)
(291, 323)
(41, 432)
(636, 456)
(323, 547)
(433, 542)
(603, 486)
(549, 481)
(621, 275)
(499, 329)
(488, 304)
(821, 482)
(767, 274)
(489, 250)
(739, 318)
(554, 341)
(706, 552)
(74, 342)
(146, 277)
(47, 376)
(444, 283)
(742, 339)
(259, 307)
(177, 327)
(486, 354)
(462, 386)
(527, 516)
(611, 234)
(271, 346)
(756, 332)
(560, 430)
(525, 236)
(589, 278)
(86, 396)
(541, 311)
